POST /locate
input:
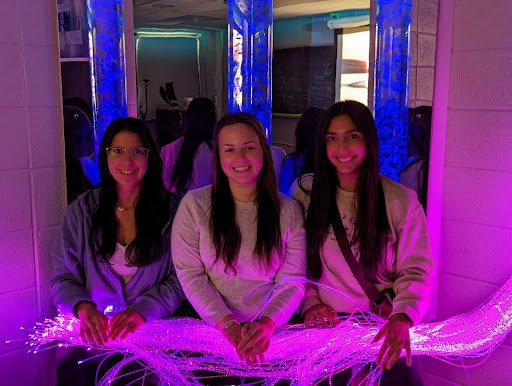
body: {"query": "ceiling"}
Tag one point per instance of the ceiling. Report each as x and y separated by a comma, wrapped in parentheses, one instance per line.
(213, 13)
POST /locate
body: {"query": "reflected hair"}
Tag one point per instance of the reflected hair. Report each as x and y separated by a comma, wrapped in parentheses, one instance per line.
(371, 227)
(152, 207)
(305, 135)
(198, 123)
(225, 231)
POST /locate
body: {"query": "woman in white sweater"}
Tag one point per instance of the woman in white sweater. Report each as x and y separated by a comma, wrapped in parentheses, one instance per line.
(239, 245)
(386, 230)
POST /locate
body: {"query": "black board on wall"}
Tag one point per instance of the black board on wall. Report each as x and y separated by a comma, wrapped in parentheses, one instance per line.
(303, 77)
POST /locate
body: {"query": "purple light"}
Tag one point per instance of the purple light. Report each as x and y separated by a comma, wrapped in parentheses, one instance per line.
(163, 345)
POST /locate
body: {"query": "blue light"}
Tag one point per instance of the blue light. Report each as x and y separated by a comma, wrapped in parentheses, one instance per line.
(108, 72)
(250, 59)
(391, 83)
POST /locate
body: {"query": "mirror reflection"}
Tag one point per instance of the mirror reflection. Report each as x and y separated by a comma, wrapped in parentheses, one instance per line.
(319, 49)
(322, 53)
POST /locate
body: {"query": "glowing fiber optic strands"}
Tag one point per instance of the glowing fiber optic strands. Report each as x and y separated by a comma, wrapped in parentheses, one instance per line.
(250, 59)
(108, 71)
(165, 346)
(391, 83)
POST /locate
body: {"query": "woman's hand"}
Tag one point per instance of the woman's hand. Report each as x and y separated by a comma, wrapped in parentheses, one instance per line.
(233, 335)
(256, 339)
(231, 330)
(396, 338)
(320, 316)
(124, 323)
(93, 324)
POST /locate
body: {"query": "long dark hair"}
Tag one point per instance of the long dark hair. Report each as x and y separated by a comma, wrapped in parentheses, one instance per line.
(371, 227)
(152, 208)
(305, 138)
(198, 122)
(224, 229)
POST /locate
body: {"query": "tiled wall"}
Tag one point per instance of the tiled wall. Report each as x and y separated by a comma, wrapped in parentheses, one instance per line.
(423, 46)
(32, 177)
(422, 51)
(476, 228)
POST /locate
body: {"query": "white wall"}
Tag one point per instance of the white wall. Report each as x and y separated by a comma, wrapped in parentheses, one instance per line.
(473, 91)
(32, 177)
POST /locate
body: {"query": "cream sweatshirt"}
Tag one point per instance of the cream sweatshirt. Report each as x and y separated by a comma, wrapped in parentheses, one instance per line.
(407, 267)
(216, 292)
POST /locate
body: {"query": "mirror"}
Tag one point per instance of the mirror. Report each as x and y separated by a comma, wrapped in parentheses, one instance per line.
(301, 30)
(197, 64)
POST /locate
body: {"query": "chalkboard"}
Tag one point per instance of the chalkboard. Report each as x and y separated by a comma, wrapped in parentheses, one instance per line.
(303, 77)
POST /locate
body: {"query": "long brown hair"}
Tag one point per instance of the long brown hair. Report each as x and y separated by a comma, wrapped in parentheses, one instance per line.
(198, 122)
(224, 229)
(371, 227)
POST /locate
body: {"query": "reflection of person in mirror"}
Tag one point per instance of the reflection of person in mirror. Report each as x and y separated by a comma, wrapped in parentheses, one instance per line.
(240, 242)
(415, 173)
(301, 160)
(388, 239)
(112, 253)
(187, 161)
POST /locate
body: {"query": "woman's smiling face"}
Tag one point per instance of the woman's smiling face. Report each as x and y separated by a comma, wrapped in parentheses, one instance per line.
(241, 155)
(346, 150)
(126, 169)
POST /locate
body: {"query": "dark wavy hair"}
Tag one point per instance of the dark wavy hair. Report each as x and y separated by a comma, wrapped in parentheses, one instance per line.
(305, 138)
(371, 227)
(224, 229)
(152, 207)
(198, 124)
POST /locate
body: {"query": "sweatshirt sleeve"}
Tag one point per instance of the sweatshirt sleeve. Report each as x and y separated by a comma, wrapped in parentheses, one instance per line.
(169, 155)
(289, 279)
(67, 285)
(413, 283)
(191, 271)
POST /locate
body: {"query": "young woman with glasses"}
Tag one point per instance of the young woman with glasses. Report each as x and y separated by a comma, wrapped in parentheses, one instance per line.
(112, 251)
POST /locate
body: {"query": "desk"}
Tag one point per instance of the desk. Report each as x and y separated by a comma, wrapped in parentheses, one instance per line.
(168, 124)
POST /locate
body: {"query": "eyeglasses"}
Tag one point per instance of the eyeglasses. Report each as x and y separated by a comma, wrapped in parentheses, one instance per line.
(138, 153)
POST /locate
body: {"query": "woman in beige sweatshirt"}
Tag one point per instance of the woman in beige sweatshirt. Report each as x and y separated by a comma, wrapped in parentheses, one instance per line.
(239, 245)
(386, 228)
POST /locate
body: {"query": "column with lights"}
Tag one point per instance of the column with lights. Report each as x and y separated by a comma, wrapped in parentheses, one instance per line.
(108, 71)
(391, 83)
(250, 59)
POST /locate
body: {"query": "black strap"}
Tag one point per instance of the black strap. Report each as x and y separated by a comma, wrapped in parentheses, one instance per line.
(341, 237)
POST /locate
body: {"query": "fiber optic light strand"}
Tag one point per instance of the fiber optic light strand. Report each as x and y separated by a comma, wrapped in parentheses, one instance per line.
(175, 349)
